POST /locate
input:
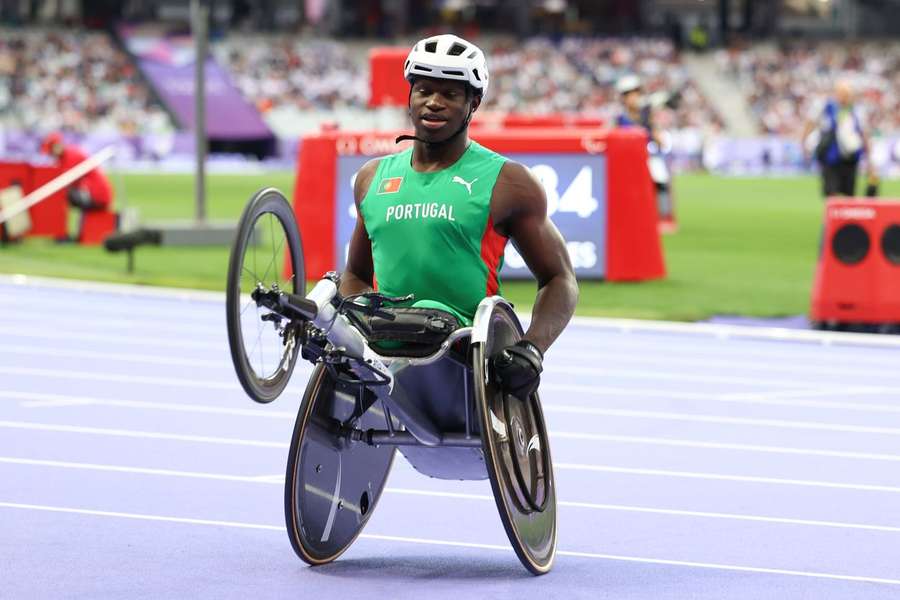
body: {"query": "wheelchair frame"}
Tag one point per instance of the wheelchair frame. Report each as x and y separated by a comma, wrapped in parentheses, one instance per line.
(522, 480)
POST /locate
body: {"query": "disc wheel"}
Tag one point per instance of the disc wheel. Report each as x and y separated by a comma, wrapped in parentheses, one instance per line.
(516, 452)
(331, 486)
(267, 254)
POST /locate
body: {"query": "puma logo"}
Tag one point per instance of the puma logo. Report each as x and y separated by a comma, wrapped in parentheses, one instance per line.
(460, 180)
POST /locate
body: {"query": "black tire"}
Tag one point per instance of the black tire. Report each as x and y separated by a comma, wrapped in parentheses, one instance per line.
(516, 452)
(267, 214)
(331, 486)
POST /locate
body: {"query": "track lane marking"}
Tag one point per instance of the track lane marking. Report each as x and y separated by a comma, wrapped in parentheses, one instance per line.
(157, 359)
(58, 335)
(566, 355)
(654, 441)
(719, 419)
(460, 544)
(557, 465)
(67, 374)
(725, 477)
(660, 511)
(603, 392)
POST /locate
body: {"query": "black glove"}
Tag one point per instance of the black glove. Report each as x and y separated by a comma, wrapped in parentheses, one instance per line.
(518, 368)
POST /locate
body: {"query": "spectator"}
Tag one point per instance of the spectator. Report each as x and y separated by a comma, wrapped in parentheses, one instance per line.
(73, 80)
(90, 194)
(841, 141)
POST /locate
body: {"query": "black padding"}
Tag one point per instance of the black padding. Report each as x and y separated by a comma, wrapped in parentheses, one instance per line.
(850, 244)
(418, 331)
(890, 244)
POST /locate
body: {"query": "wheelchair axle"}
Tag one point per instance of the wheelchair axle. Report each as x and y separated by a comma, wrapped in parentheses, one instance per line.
(376, 437)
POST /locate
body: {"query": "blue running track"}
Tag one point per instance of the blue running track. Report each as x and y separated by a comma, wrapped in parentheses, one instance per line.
(691, 461)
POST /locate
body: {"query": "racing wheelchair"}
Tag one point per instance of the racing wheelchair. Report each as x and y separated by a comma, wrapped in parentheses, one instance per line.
(386, 377)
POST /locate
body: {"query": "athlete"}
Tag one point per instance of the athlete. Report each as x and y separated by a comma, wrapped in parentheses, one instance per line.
(434, 219)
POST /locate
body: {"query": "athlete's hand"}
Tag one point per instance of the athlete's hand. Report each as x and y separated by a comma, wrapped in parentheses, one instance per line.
(518, 368)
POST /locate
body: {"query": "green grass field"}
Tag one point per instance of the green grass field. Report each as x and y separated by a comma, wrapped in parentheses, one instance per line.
(744, 246)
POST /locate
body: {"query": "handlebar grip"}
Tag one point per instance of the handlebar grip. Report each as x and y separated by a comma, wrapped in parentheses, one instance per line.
(306, 307)
(384, 315)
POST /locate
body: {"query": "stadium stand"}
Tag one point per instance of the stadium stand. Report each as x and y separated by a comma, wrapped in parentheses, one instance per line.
(284, 76)
(73, 80)
(784, 83)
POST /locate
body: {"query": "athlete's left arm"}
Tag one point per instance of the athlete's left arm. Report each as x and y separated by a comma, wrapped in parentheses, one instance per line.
(519, 211)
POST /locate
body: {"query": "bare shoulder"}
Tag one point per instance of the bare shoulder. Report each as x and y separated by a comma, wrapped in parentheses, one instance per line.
(517, 193)
(364, 179)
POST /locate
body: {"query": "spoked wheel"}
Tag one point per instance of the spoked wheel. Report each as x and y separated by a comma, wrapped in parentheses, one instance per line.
(332, 485)
(264, 347)
(516, 452)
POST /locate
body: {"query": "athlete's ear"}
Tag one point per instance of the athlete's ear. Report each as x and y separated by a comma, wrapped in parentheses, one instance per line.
(476, 102)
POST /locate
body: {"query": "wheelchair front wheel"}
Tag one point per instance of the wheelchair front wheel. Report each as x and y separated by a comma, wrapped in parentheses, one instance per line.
(516, 451)
(264, 347)
(332, 485)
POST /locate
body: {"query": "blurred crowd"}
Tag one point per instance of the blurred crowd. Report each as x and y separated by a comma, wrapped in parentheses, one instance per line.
(579, 75)
(279, 71)
(536, 77)
(74, 81)
(786, 84)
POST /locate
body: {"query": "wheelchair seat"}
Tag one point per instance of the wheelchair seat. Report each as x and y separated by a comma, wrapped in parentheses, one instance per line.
(414, 332)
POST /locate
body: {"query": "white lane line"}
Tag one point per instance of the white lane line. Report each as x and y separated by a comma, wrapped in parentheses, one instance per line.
(585, 371)
(647, 374)
(57, 335)
(675, 442)
(661, 511)
(279, 480)
(718, 419)
(156, 359)
(151, 435)
(557, 465)
(104, 288)
(775, 398)
(132, 470)
(173, 326)
(864, 487)
(567, 355)
(37, 398)
(736, 350)
(738, 331)
(600, 437)
(147, 310)
(837, 391)
(133, 379)
(480, 546)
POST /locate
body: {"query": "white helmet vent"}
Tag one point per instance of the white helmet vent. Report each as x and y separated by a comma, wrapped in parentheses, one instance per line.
(448, 57)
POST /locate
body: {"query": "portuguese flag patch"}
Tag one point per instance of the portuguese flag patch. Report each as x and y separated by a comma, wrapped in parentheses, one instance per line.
(390, 186)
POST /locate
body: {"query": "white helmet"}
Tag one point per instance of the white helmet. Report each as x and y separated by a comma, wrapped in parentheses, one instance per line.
(448, 57)
(628, 83)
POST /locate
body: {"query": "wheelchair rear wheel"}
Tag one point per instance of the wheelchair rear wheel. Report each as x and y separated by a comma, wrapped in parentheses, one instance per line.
(332, 485)
(516, 452)
(264, 348)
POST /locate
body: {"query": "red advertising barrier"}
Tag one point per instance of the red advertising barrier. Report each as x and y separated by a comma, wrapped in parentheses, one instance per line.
(48, 218)
(858, 275)
(623, 246)
(387, 87)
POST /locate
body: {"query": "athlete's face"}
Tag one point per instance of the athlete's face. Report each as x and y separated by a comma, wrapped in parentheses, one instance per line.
(438, 107)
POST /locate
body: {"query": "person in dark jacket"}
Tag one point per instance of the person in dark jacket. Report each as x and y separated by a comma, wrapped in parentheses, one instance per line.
(840, 143)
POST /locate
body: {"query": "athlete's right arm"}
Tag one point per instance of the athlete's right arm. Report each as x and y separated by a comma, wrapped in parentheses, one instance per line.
(359, 273)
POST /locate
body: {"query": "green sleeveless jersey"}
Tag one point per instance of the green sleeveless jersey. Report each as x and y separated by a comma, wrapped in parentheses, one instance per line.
(432, 233)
